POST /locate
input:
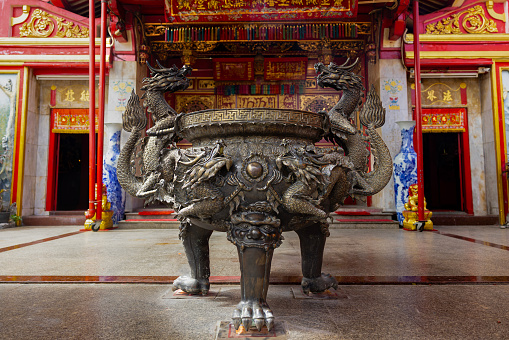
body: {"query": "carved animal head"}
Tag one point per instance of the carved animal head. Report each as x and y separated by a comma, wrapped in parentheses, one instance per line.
(166, 79)
(339, 77)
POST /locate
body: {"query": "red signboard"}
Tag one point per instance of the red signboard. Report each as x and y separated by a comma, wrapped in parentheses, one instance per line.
(443, 120)
(258, 10)
(71, 121)
(285, 68)
(234, 69)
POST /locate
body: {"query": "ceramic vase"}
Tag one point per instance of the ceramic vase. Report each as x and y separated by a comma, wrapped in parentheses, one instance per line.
(405, 167)
(116, 196)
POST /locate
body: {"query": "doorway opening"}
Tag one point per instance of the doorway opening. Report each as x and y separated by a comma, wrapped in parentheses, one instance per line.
(445, 172)
(442, 171)
(72, 172)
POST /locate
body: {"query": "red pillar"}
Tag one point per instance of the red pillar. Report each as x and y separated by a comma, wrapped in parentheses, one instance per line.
(91, 111)
(100, 132)
(418, 109)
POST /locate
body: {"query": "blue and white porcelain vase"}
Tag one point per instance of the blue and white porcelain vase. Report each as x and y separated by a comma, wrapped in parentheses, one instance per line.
(405, 167)
(116, 196)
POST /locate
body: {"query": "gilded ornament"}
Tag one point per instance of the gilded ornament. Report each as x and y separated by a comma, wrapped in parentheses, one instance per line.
(22, 17)
(106, 213)
(411, 207)
(193, 103)
(41, 25)
(327, 44)
(154, 30)
(473, 20)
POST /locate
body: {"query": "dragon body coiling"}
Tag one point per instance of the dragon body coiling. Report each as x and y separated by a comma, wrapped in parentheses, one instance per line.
(355, 143)
(156, 182)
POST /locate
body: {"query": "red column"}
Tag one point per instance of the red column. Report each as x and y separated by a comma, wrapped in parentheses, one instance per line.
(100, 133)
(91, 111)
(418, 109)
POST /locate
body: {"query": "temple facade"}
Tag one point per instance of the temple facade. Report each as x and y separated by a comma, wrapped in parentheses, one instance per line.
(254, 54)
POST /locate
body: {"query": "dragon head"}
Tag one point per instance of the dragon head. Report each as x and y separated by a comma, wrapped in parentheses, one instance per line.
(166, 79)
(338, 77)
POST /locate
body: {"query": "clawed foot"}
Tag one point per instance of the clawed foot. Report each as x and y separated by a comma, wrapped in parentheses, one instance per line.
(319, 284)
(250, 312)
(192, 286)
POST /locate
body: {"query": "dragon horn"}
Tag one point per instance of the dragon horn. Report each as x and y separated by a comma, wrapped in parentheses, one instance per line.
(159, 64)
(152, 70)
(349, 67)
(346, 62)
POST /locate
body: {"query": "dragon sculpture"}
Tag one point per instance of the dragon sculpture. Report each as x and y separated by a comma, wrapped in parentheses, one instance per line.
(254, 174)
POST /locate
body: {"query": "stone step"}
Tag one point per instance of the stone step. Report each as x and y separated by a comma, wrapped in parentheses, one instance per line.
(463, 219)
(336, 224)
(153, 214)
(149, 224)
(362, 217)
(37, 220)
(361, 214)
(364, 224)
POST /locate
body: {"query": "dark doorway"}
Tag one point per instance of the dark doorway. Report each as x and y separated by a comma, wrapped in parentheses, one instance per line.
(442, 171)
(72, 178)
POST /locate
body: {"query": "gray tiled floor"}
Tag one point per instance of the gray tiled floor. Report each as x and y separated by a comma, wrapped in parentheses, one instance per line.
(143, 311)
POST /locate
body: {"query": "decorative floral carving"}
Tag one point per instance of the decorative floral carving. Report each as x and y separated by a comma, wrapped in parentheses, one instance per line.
(473, 20)
(313, 46)
(41, 25)
(154, 30)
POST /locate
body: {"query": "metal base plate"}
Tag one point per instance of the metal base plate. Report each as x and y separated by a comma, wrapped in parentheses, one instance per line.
(327, 295)
(226, 330)
(180, 294)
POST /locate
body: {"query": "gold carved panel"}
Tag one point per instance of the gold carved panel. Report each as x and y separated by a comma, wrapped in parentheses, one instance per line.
(473, 20)
(256, 101)
(288, 101)
(440, 94)
(41, 24)
(316, 103)
(186, 103)
(226, 102)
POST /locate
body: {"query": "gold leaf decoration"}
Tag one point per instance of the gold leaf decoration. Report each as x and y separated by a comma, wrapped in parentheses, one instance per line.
(41, 25)
(473, 20)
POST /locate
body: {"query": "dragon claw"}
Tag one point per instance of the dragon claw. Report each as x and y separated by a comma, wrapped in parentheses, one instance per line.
(191, 285)
(270, 323)
(249, 314)
(318, 284)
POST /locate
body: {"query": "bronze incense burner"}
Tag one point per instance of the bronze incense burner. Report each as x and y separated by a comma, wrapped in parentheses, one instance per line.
(254, 174)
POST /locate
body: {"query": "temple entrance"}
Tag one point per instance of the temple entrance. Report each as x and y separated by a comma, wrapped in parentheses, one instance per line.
(67, 187)
(72, 172)
(443, 171)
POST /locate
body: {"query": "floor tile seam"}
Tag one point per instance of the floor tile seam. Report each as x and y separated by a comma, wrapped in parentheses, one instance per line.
(47, 239)
(473, 240)
(287, 280)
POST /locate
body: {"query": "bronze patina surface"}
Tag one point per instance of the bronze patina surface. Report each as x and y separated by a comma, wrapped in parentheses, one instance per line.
(254, 173)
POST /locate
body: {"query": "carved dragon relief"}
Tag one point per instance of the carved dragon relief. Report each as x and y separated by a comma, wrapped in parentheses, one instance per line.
(254, 173)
